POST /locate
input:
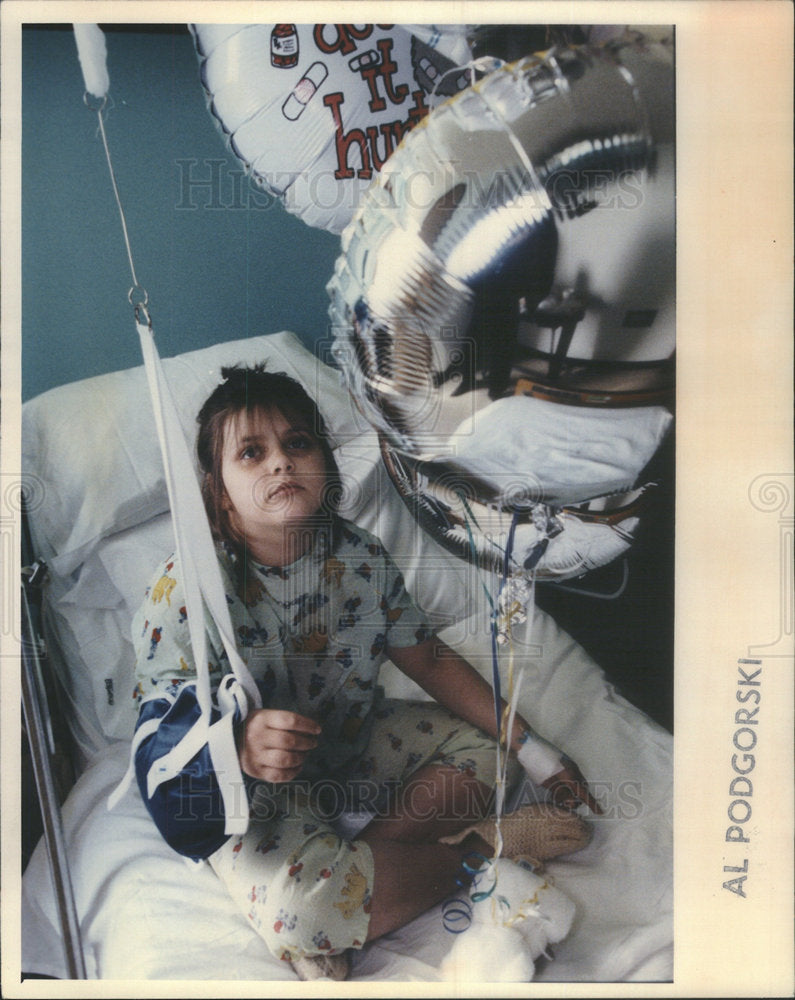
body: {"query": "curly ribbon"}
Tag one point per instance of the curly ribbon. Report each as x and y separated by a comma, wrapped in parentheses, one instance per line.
(515, 597)
(457, 911)
(456, 915)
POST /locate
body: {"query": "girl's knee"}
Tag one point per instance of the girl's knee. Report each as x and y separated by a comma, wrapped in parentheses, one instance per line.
(318, 902)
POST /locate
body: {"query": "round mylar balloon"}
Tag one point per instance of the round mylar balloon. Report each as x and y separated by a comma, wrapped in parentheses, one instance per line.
(314, 110)
(540, 199)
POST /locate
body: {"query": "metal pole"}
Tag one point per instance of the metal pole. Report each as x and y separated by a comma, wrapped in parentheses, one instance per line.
(35, 714)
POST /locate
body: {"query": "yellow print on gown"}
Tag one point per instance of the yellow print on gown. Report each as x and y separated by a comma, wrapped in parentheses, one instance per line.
(356, 890)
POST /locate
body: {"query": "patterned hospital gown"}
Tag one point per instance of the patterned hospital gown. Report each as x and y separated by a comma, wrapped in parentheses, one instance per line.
(313, 634)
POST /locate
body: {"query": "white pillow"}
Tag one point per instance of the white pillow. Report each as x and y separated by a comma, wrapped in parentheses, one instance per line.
(92, 449)
(92, 619)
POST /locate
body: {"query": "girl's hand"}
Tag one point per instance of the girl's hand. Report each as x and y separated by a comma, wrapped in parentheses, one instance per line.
(275, 744)
(569, 788)
(549, 767)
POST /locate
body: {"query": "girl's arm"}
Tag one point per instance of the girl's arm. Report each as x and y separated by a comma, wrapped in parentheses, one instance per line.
(449, 679)
(187, 809)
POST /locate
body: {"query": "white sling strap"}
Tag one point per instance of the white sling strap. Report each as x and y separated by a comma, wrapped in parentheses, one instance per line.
(201, 575)
(201, 578)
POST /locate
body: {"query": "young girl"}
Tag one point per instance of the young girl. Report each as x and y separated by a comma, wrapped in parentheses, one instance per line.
(316, 605)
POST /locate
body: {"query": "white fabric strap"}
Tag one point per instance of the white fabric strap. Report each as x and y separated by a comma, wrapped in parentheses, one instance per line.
(231, 696)
(201, 573)
(223, 752)
(220, 739)
(203, 587)
(226, 766)
(141, 733)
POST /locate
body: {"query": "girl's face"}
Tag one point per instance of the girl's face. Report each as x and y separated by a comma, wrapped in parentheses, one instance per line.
(274, 475)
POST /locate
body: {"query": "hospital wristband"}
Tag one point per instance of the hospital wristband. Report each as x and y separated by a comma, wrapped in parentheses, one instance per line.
(539, 758)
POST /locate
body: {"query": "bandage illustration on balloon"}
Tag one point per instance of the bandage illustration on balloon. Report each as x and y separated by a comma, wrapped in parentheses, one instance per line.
(503, 304)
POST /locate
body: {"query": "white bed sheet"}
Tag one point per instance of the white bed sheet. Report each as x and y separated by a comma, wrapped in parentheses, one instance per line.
(147, 914)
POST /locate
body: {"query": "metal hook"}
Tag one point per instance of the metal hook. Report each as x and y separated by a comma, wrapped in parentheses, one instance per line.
(139, 299)
(142, 311)
(138, 295)
(90, 99)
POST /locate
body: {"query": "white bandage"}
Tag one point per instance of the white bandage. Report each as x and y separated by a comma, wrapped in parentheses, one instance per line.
(539, 758)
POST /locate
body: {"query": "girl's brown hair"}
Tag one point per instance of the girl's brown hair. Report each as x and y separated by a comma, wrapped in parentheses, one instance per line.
(247, 390)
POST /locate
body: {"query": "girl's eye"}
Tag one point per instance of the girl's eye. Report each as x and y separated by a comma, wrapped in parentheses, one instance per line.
(249, 452)
(301, 442)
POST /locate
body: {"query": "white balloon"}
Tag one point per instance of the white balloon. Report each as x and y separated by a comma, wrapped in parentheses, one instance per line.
(315, 110)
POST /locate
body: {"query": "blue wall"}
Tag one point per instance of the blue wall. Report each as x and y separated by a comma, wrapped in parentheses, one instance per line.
(212, 273)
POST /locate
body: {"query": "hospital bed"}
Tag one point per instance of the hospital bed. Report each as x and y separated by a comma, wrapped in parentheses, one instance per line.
(99, 520)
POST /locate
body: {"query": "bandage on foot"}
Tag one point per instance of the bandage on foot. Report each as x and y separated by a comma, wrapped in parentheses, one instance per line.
(309, 967)
(539, 831)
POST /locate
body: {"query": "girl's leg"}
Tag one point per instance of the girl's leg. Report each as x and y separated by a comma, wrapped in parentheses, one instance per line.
(436, 761)
(412, 871)
(308, 892)
(442, 771)
(305, 890)
(444, 797)
(408, 880)
(436, 802)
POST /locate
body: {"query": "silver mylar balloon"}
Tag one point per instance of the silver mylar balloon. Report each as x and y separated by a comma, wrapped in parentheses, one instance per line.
(494, 224)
